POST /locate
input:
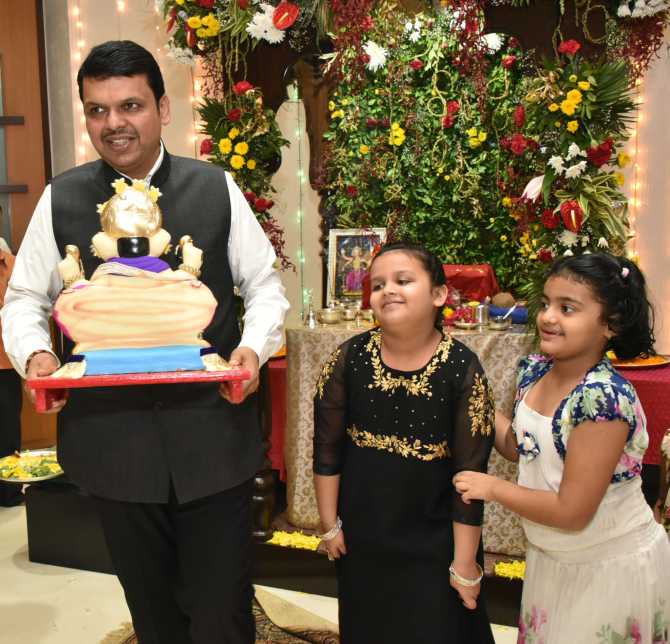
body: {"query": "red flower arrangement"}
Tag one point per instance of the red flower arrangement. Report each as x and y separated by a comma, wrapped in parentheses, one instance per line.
(416, 64)
(206, 146)
(572, 215)
(235, 114)
(550, 219)
(569, 47)
(242, 87)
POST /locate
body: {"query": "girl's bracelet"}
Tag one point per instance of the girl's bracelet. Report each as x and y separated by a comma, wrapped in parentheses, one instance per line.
(333, 532)
(463, 581)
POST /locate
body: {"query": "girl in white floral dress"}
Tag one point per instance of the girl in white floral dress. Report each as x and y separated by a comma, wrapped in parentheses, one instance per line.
(597, 562)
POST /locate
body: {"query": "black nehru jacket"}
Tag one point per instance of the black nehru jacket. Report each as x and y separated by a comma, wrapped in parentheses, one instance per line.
(126, 443)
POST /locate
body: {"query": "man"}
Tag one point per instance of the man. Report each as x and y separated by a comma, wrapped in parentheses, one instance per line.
(169, 467)
(10, 392)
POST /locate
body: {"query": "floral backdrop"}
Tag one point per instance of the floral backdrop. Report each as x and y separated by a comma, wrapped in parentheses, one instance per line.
(439, 131)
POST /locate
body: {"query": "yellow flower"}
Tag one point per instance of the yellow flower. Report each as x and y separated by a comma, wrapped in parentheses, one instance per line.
(574, 96)
(474, 142)
(482, 136)
(620, 179)
(119, 186)
(516, 215)
(572, 78)
(202, 32)
(568, 108)
(139, 185)
(553, 107)
(331, 106)
(225, 146)
(364, 149)
(503, 238)
(492, 219)
(472, 132)
(557, 124)
(622, 159)
(251, 164)
(506, 202)
(179, 2)
(345, 101)
(233, 134)
(395, 126)
(237, 161)
(572, 126)
(397, 137)
(584, 85)
(447, 177)
(337, 114)
(242, 148)
(194, 22)
(210, 21)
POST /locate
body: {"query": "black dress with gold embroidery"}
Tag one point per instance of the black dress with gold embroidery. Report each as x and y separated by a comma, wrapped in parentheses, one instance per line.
(397, 438)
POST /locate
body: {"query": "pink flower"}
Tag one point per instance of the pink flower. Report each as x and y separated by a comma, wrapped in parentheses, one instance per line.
(635, 631)
(367, 23)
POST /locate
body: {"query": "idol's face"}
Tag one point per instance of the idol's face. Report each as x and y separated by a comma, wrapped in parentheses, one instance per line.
(124, 122)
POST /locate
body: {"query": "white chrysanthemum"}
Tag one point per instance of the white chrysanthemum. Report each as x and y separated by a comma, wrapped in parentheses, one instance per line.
(556, 163)
(575, 170)
(377, 55)
(409, 25)
(602, 243)
(414, 36)
(181, 55)
(575, 151)
(568, 238)
(261, 26)
(493, 42)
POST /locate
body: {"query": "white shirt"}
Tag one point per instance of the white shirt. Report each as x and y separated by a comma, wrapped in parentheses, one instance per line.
(36, 283)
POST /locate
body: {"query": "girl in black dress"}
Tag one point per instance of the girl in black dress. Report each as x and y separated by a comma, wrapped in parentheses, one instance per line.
(398, 411)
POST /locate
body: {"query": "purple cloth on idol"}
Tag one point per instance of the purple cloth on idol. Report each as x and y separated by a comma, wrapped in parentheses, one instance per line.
(145, 263)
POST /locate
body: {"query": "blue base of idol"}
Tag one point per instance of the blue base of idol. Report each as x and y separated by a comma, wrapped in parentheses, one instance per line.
(156, 359)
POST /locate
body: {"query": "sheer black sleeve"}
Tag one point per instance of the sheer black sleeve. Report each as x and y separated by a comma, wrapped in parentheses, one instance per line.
(474, 433)
(330, 414)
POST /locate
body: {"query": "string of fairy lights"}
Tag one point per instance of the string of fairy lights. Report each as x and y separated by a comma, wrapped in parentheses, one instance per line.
(635, 189)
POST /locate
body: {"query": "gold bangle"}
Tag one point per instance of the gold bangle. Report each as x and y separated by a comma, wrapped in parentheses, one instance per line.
(464, 581)
(189, 269)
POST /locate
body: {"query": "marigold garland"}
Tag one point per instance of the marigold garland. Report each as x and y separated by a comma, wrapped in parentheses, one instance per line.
(294, 540)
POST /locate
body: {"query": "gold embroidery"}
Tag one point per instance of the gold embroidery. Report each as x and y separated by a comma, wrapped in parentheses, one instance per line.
(481, 409)
(326, 372)
(417, 385)
(397, 445)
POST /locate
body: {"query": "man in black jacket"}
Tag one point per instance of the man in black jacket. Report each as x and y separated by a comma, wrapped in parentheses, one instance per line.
(170, 467)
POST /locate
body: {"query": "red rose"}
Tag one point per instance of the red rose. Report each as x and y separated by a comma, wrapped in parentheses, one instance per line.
(416, 64)
(519, 116)
(234, 114)
(206, 4)
(367, 23)
(285, 14)
(352, 191)
(518, 144)
(508, 61)
(453, 108)
(250, 196)
(600, 154)
(570, 47)
(261, 205)
(206, 146)
(550, 219)
(572, 215)
(447, 121)
(242, 87)
(243, 4)
(545, 255)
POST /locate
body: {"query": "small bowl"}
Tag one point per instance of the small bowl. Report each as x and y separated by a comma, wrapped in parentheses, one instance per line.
(349, 314)
(459, 324)
(367, 315)
(497, 323)
(329, 316)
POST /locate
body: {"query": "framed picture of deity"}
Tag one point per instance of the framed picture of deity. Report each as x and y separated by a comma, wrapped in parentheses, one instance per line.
(350, 252)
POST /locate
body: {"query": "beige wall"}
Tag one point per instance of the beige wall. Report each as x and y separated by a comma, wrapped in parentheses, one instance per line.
(100, 21)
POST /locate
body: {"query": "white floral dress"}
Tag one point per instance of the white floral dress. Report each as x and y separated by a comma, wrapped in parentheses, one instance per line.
(610, 582)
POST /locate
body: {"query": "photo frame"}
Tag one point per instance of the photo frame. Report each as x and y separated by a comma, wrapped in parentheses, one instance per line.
(349, 255)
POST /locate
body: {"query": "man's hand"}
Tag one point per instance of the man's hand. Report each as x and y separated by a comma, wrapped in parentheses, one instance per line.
(244, 358)
(43, 364)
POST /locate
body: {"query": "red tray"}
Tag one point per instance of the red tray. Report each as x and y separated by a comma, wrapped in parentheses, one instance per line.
(48, 389)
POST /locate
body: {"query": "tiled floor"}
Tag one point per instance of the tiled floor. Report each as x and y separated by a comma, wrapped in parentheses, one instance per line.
(53, 605)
